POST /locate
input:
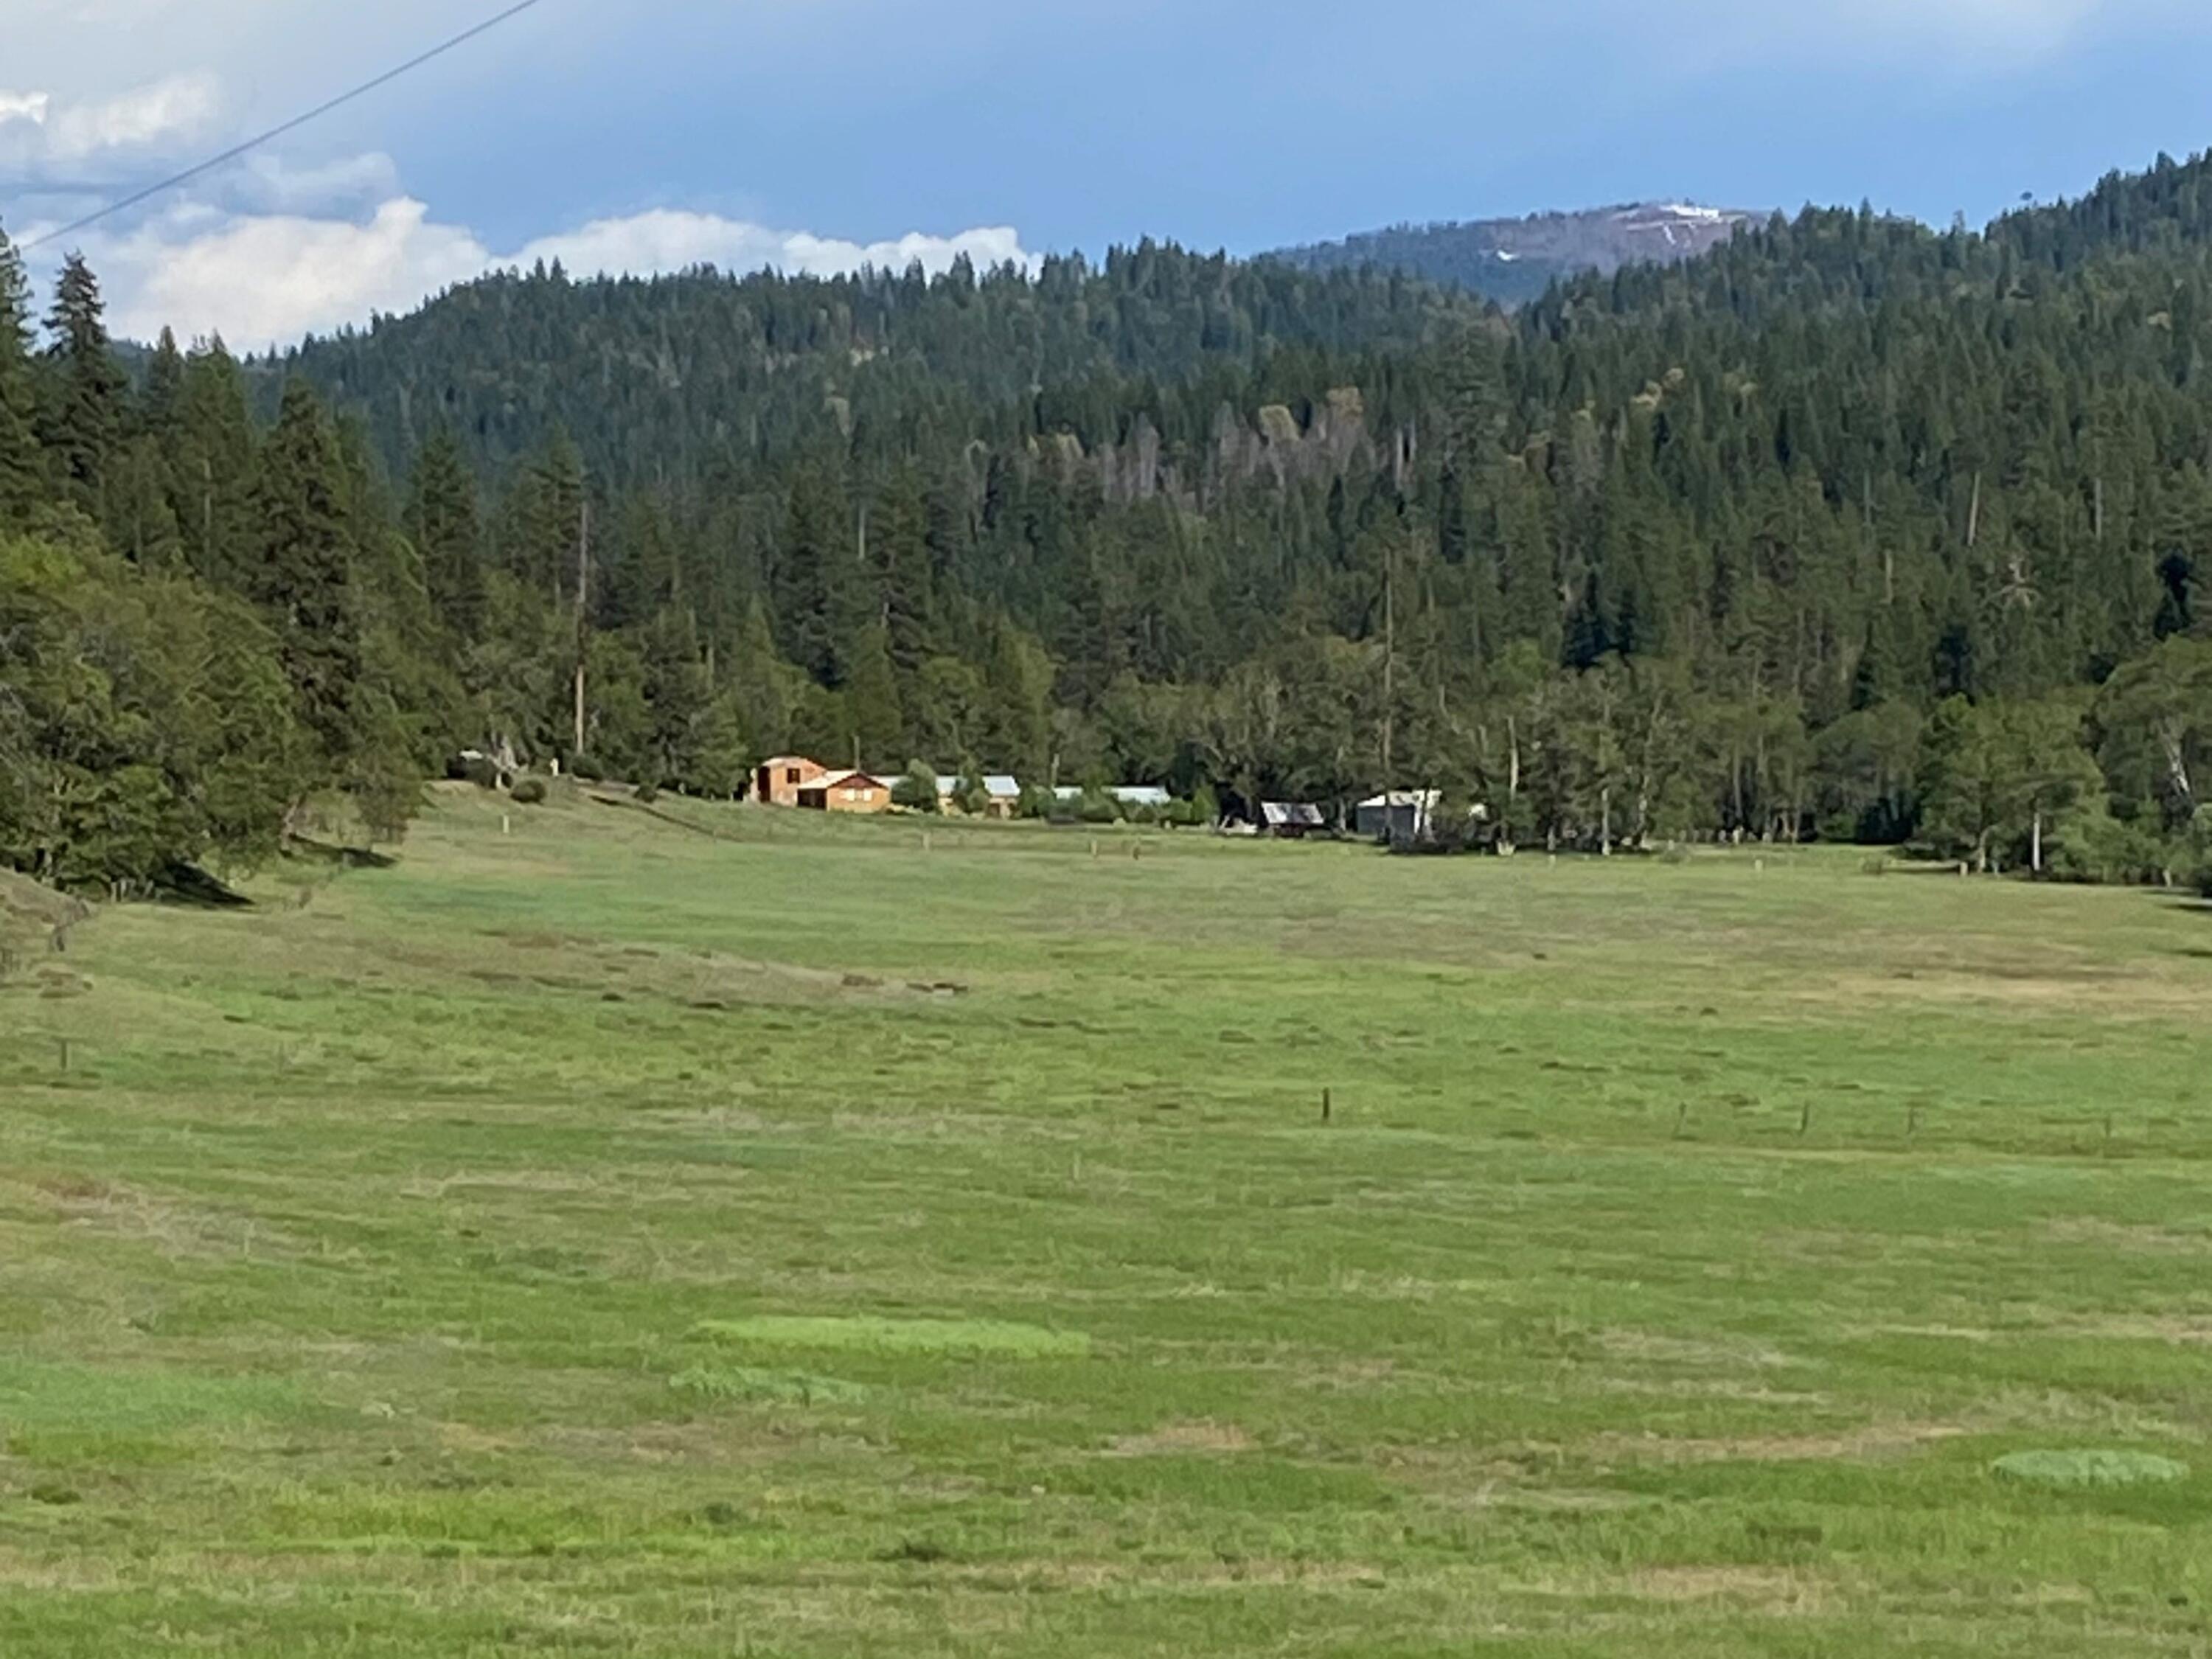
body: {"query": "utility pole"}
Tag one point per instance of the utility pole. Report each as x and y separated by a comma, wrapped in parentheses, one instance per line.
(583, 597)
(1390, 667)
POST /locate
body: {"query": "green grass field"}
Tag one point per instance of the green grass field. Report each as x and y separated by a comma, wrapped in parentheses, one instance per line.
(614, 1239)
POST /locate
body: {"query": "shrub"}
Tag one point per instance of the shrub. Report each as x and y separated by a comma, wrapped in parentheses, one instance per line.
(473, 768)
(2091, 845)
(585, 769)
(1099, 807)
(917, 791)
(530, 792)
(972, 797)
(646, 794)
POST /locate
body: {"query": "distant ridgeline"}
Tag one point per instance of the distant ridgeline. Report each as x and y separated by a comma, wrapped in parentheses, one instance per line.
(1513, 261)
(1843, 526)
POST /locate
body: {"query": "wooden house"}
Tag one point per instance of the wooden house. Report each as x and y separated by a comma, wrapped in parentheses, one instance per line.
(777, 782)
(846, 792)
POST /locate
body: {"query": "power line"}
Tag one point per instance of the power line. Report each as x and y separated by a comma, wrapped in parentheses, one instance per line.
(292, 125)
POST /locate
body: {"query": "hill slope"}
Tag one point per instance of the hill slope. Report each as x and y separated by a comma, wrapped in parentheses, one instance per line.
(650, 374)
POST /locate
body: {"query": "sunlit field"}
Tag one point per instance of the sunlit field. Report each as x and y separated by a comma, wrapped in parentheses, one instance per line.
(733, 1232)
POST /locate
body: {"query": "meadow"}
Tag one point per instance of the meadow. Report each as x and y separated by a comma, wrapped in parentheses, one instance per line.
(733, 1232)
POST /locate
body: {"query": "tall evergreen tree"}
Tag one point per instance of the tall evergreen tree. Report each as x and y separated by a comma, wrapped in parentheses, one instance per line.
(441, 520)
(86, 399)
(213, 469)
(21, 485)
(303, 577)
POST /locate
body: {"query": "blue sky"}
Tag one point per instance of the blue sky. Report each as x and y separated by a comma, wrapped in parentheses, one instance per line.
(815, 133)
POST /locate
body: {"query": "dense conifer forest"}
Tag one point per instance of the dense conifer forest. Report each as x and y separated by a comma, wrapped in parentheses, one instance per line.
(1850, 529)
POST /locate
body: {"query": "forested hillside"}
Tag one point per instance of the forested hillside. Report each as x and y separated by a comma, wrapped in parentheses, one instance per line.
(1848, 528)
(662, 377)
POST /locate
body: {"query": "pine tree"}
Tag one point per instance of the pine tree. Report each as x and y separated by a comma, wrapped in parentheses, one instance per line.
(141, 523)
(1018, 685)
(21, 483)
(213, 468)
(441, 520)
(85, 407)
(814, 580)
(873, 697)
(303, 578)
(765, 689)
(160, 400)
(898, 548)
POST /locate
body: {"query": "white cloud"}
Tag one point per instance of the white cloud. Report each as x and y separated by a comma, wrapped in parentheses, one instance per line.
(666, 241)
(41, 133)
(270, 279)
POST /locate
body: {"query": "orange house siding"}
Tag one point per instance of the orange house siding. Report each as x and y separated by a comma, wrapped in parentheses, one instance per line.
(858, 792)
(778, 781)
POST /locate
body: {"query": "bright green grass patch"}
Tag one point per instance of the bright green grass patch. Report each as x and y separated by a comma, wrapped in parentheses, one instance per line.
(2089, 1470)
(868, 1334)
(746, 1382)
(36, 1398)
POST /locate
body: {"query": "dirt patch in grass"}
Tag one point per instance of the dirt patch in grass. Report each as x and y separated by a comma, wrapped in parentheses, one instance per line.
(175, 1229)
(969, 1337)
(1724, 1354)
(1206, 1439)
(2110, 996)
(1872, 1444)
(1710, 1387)
(2135, 1240)
(1771, 1589)
(2187, 1330)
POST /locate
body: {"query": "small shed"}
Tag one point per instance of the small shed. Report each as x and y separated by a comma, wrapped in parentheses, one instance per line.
(1292, 820)
(778, 782)
(846, 792)
(1398, 815)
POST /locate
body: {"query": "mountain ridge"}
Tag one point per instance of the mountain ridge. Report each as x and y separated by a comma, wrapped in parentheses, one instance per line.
(1512, 261)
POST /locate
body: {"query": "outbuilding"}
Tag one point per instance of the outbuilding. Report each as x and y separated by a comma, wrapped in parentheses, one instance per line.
(1292, 820)
(846, 792)
(778, 782)
(1398, 815)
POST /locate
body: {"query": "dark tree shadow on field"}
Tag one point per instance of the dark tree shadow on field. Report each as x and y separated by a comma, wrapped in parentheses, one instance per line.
(339, 857)
(194, 888)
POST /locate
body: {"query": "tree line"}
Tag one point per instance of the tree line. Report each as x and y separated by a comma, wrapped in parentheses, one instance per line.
(1851, 529)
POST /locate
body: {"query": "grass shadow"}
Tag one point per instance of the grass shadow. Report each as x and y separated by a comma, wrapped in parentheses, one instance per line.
(303, 851)
(196, 890)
